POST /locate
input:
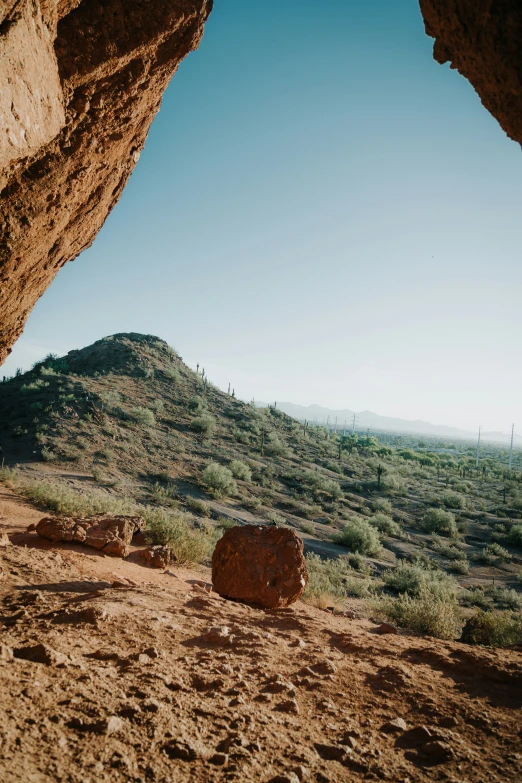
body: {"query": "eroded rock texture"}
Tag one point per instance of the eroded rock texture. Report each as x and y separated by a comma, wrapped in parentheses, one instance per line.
(260, 565)
(80, 82)
(481, 39)
(111, 534)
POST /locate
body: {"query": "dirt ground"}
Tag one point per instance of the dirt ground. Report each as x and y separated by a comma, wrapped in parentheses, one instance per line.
(126, 673)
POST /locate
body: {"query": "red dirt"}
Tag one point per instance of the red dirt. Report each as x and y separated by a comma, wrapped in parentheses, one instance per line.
(148, 692)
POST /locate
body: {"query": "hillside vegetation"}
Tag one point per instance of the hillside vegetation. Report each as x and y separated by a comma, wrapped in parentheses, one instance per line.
(403, 528)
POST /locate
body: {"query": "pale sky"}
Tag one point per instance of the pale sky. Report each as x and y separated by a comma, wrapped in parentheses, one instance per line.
(322, 214)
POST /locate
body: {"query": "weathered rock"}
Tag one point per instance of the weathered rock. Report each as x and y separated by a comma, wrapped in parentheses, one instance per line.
(157, 556)
(110, 534)
(6, 654)
(481, 40)
(396, 726)
(80, 83)
(260, 565)
(414, 738)
(41, 653)
(387, 628)
(4, 540)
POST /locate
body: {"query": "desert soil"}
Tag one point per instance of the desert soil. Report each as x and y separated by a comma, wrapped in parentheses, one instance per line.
(143, 676)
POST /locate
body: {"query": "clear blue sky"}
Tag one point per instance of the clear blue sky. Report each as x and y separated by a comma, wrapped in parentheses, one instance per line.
(321, 214)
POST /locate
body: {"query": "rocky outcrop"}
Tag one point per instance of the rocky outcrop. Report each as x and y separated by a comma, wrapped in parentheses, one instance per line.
(111, 534)
(260, 565)
(157, 556)
(80, 82)
(481, 39)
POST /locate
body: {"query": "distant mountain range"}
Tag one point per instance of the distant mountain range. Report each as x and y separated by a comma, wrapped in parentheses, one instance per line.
(373, 421)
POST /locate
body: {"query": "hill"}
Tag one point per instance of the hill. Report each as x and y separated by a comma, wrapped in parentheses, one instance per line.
(410, 526)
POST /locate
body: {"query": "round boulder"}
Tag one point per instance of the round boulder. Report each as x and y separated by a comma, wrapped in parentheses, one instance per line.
(260, 565)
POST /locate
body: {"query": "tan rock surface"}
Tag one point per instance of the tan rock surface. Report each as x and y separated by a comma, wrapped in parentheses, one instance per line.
(260, 565)
(112, 534)
(80, 83)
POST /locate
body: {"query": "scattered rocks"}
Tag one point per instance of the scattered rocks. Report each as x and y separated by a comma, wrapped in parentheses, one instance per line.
(218, 635)
(30, 528)
(437, 750)
(157, 556)
(111, 725)
(414, 737)
(260, 565)
(290, 705)
(324, 667)
(41, 653)
(330, 752)
(110, 534)
(4, 540)
(385, 628)
(396, 726)
(219, 759)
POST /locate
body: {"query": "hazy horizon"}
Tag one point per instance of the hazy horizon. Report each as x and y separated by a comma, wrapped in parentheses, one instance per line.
(321, 214)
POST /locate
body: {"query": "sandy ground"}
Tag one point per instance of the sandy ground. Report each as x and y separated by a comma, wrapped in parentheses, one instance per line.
(138, 675)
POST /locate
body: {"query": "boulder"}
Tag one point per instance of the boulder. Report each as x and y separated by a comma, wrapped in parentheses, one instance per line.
(157, 556)
(110, 534)
(260, 565)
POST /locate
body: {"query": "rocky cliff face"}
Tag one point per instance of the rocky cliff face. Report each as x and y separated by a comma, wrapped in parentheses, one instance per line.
(80, 82)
(481, 39)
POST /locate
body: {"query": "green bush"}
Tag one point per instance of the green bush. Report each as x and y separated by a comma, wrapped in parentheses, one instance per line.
(205, 424)
(385, 525)
(187, 544)
(383, 506)
(197, 404)
(413, 579)
(66, 502)
(240, 471)
(427, 614)
(143, 416)
(493, 554)
(197, 505)
(436, 520)
(393, 485)
(332, 581)
(514, 537)
(453, 500)
(494, 629)
(219, 479)
(359, 536)
(275, 519)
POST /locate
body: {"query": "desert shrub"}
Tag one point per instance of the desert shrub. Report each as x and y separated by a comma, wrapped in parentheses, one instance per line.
(426, 614)
(275, 519)
(359, 536)
(226, 523)
(436, 520)
(507, 599)
(494, 629)
(412, 579)
(382, 506)
(331, 581)
(385, 524)
(453, 500)
(514, 537)
(449, 551)
(172, 375)
(9, 475)
(494, 554)
(48, 455)
(164, 495)
(218, 479)
(197, 404)
(143, 416)
(307, 527)
(187, 544)
(474, 596)
(158, 406)
(276, 446)
(66, 502)
(392, 484)
(240, 471)
(252, 504)
(205, 424)
(460, 567)
(197, 505)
